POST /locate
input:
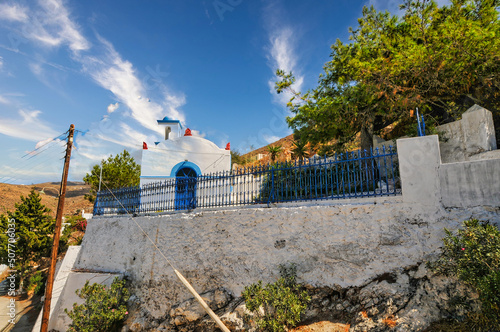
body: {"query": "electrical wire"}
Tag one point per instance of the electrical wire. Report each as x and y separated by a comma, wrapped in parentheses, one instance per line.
(32, 165)
(23, 160)
(21, 163)
(41, 146)
(26, 174)
(29, 163)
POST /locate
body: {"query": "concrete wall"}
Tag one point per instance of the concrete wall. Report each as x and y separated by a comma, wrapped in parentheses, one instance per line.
(332, 245)
(419, 162)
(427, 181)
(470, 183)
(473, 134)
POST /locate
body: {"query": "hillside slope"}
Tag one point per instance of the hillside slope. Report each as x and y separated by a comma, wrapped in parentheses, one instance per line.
(10, 195)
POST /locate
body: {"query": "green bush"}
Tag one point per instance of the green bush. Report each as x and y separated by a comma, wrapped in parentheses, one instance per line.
(104, 310)
(282, 302)
(37, 282)
(472, 254)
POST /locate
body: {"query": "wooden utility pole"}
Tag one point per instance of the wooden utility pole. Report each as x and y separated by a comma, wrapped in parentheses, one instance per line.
(57, 233)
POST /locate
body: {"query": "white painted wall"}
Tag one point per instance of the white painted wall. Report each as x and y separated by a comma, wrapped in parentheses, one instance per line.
(332, 245)
(158, 161)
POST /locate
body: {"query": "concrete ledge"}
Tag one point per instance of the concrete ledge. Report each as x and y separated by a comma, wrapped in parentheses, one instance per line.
(473, 183)
(59, 282)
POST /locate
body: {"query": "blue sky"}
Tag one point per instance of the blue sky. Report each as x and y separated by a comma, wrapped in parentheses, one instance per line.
(113, 68)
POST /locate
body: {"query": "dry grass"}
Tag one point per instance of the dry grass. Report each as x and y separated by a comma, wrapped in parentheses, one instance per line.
(10, 195)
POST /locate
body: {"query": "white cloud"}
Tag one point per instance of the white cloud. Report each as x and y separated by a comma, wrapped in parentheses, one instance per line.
(55, 27)
(49, 24)
(282, 56)
(1, 63)
(119, 76)
(42, 143)
(13, 12)
(29, 116)
(198, 133)
(28, 127)
(4, 100)
(36, 68)
(113, 107)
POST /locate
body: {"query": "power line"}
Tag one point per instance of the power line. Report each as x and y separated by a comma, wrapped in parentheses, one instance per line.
(35, 152)
(26, 165)
(23, 160)
(30, 166)
(52, 140)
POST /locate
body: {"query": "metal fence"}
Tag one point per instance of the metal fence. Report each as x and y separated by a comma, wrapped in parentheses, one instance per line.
(346, 175)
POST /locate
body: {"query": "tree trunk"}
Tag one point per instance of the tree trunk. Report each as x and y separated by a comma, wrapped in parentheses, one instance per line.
(367, 137)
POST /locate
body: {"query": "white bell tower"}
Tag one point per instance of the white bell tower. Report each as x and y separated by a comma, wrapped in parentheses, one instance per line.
(172, 128)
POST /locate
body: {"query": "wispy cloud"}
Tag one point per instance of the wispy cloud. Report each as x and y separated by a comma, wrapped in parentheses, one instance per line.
(271, 138)
(13, 12)
(282, 56)
(119, 76)
(27, 126)
(282, 49)
(52, 25)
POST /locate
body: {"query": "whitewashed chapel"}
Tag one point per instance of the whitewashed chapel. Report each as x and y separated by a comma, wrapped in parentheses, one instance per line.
(181, 155)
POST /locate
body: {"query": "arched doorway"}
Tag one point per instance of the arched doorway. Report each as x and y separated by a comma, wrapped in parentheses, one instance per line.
(185, 188)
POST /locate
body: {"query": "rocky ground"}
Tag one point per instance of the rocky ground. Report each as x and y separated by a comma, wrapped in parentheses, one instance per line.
(402, 301)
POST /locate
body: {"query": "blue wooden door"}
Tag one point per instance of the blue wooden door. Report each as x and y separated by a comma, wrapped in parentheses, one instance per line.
(185, 189)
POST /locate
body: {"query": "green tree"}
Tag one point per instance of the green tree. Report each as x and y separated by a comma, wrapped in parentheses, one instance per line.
(32, 227)
(104, 310)
(274, 151)
(237, 158)
(441, 60)
(299, 150)
(117, 172)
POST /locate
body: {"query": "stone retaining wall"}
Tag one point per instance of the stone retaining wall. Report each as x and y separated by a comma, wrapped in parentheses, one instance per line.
(221, 252)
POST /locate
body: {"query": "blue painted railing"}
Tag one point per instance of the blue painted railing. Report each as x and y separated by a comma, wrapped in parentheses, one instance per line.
(346, 175)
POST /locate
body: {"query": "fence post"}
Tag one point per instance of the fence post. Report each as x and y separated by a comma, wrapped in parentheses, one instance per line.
(272, 185)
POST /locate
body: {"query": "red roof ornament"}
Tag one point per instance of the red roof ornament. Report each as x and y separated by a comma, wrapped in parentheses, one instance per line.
(228, 146)
(144, 146)
(188, 132)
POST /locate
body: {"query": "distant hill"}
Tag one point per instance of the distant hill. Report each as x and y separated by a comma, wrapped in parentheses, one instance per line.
(11, 193)
(286, 152)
